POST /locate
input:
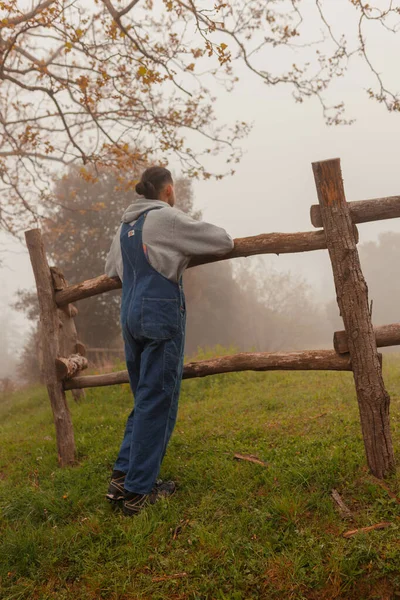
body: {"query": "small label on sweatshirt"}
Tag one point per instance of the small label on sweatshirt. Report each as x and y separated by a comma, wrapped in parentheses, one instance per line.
(131, 233)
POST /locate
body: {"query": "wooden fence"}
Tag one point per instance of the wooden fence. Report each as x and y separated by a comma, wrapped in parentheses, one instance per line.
(355, 348)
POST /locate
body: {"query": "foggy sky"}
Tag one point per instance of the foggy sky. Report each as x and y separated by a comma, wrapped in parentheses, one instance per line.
(273, 187)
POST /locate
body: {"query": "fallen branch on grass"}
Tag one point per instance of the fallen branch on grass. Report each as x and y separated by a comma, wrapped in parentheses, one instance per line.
(317, 416)
(251, 458)
(178, 530)
(345, 512)
(383, 525)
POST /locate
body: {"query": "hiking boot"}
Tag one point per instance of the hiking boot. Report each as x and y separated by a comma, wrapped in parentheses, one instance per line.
(162, 489)
(134, 503)
(116, 492)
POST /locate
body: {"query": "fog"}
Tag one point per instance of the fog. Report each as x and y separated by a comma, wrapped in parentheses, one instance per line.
(273, 187)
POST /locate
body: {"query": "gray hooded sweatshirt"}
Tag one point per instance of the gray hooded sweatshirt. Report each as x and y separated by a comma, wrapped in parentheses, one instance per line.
(171, 237)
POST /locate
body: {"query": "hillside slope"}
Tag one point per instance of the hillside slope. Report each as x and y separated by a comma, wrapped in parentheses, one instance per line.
(235, 530)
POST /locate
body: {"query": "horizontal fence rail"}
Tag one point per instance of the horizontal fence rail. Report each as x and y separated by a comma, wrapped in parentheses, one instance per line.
(309, 360)
(385, 335)
(364, 211)
(105, 350)
(266, 243)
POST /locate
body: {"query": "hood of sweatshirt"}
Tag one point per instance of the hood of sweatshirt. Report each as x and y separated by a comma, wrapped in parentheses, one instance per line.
(140, 206)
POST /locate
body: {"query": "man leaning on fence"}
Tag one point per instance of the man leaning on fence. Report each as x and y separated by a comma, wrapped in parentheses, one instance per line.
(150, 251)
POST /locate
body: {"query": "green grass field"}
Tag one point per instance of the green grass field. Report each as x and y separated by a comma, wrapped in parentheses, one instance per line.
(235, 530)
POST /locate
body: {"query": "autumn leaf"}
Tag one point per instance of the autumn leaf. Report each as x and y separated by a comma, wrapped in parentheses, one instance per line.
(83, 82)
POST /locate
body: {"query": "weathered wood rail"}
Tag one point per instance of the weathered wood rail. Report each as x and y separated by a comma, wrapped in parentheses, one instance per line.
(355, 347)
(68, 367)
(385, 335)
(364, 211)
(268, 243)
(308, 360)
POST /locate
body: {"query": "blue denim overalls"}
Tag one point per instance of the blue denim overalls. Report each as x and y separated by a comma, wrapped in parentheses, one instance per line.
(153, 319)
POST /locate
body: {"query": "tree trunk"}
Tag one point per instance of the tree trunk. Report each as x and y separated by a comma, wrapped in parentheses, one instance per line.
(352, 297)
(49, 328)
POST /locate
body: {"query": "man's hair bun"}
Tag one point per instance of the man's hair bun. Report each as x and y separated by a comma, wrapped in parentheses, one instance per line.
(140, 189)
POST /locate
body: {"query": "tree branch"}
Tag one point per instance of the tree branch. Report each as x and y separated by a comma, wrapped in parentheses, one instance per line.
(35, 11)
(128, 8)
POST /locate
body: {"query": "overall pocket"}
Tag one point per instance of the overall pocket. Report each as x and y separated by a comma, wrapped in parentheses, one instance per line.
(160, 318)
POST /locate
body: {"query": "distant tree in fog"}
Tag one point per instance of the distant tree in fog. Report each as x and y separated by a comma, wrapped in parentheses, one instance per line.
(380, 263)
(245, 304)
(279, 308)
(28, 368)
(10, 343)
(215, 308)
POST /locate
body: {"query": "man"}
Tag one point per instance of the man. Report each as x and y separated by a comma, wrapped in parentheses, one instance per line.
(149, 253)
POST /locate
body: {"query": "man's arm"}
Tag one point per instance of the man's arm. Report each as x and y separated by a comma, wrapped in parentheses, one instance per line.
(196, 238)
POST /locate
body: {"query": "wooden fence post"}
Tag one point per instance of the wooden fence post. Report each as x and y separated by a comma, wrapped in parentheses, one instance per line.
(67, 337)
(352, 297)
(49, 322)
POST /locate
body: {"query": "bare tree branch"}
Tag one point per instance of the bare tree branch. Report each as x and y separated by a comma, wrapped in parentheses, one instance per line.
(128, 8)
(33, 13)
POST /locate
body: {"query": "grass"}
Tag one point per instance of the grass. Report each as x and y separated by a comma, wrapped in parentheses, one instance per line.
(235, 530)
